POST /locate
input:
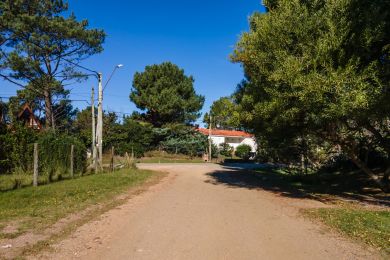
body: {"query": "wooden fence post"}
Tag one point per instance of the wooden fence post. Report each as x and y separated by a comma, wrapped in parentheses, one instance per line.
(112, 158)
(71, 160)
(35, 177)
(127, 160)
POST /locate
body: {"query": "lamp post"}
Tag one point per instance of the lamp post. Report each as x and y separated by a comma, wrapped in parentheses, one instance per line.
(94, 162)
(99, 126)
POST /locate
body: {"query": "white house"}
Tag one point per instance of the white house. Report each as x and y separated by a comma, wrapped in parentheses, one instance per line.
(231, 137)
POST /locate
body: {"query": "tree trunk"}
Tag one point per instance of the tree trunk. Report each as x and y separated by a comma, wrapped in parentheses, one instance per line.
(302, 163)
(350, 149)
(49, 110)
(384, 142)
(355, 159)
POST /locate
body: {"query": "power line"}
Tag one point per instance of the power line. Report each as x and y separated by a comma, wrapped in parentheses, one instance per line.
(121, 113)
(71, 100)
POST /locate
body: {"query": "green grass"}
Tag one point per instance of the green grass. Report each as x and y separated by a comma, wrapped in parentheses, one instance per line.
(369, 226)
(22, 180)
(36, 208)
(14, 181)
(169, 160)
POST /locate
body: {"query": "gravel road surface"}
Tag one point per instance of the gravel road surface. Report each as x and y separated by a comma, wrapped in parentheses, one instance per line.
(208, 211)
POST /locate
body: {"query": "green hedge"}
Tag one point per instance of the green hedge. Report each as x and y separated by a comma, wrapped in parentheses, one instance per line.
(16, 149)
(54, 154)
(16, 152)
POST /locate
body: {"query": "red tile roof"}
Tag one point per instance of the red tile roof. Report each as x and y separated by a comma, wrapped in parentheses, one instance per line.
(228, 133)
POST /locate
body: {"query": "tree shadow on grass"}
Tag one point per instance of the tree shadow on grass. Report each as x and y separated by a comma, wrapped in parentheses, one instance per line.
(331, 187)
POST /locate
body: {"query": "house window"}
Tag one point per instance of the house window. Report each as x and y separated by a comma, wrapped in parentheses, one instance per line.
(233, 140)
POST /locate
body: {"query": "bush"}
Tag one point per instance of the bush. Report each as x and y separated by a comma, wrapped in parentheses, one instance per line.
(16, 156)
(226, 150)
(54, 154)
(121, 148)
(185, 141)
(130, 136)
(243, 151)
(16, 149)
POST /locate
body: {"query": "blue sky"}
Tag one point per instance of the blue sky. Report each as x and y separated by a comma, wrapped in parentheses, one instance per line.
(197, 35)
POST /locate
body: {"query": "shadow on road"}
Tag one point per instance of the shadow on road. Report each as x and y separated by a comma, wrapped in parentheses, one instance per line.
(239, 176)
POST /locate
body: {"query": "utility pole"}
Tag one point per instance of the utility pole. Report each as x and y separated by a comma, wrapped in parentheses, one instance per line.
(99, 135)
(94, 159)
(210, 141)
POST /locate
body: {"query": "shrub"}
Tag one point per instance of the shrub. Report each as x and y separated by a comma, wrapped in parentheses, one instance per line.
(185, 141)
(243, 151)
(130, 136)
(121, 148)
(226, 150)
(54, 154)
(16, 148)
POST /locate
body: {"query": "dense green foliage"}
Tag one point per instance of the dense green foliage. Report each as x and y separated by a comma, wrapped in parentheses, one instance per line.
(224, 113)
(16, 149)
(318, 75)
(131, 137)
(136, 136)
(166, 95)
(226, 150)
(82, 125)
(54, 154)
(185, 140)
(243, 151)
(16, 152)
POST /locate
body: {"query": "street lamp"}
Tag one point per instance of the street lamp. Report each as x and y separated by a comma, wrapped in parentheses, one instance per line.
(112, 74)
(97, 140)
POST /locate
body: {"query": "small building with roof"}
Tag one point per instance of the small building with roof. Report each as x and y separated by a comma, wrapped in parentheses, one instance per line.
(232, 137)
(27, 117)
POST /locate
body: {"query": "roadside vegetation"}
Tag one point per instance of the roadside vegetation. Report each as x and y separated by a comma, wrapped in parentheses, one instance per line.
(369, 226)
(317, 84)
(315, 95)
(37, 208)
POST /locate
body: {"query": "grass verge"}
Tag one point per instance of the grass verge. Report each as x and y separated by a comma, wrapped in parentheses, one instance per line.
(169, 160)
(32, 209)
(369, 226)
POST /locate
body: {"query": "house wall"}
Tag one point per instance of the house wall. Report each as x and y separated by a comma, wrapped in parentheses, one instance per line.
(235, 141)
(217, 140)
(251, 142)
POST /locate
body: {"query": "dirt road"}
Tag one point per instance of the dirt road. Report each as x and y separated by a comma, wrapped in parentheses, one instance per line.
(207, 212)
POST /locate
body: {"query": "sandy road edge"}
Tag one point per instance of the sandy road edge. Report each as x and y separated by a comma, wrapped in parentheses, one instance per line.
(41, 242)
